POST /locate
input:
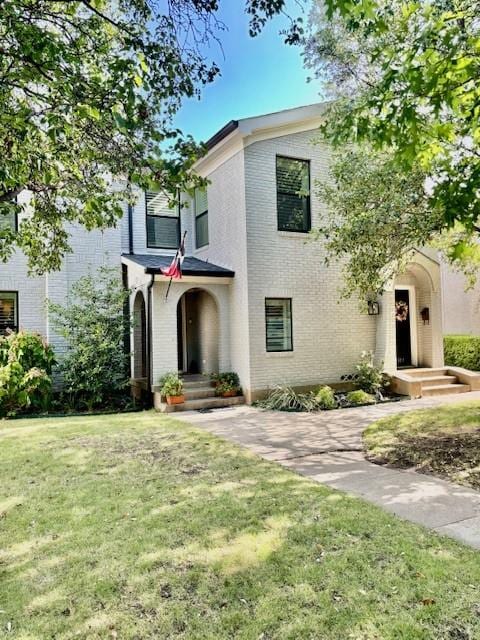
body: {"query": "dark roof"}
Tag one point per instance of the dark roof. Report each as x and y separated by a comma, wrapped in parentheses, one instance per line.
(191, 266)
(221, 134)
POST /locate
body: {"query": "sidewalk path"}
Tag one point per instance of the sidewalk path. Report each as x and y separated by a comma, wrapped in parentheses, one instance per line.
(327, 447)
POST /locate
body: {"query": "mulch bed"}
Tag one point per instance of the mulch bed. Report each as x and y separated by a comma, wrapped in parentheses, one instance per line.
(454, 456)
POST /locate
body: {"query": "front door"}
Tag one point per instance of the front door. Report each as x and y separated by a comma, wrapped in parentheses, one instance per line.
(403, 332)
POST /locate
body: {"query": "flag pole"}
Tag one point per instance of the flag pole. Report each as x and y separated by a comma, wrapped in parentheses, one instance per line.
(176, 256)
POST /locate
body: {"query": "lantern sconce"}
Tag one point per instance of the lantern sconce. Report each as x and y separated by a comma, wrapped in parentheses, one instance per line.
(425, 313)
(373, 307)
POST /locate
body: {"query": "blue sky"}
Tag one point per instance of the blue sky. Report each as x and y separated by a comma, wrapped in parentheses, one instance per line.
(259, 75)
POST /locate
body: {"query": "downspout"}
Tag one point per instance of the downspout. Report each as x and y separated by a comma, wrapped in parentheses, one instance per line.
(130, 228)
(149, 304)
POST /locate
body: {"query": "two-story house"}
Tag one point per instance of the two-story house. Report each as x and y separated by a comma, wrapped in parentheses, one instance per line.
(255, 296)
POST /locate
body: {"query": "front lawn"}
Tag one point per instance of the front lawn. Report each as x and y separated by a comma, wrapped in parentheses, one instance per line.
(444, 441)
(138, 526)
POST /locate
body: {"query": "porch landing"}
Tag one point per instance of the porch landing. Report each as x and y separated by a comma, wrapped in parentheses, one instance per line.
(418, 383)
(199, 394)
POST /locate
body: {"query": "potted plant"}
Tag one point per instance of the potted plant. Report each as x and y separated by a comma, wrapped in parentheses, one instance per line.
(227, 384)
(172, 388)
(226, 390)
(214, 379)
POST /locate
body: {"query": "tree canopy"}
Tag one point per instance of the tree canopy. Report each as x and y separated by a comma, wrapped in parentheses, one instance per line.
(88, 91)
(403, 79)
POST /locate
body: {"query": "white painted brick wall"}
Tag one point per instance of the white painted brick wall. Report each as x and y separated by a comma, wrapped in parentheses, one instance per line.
(461, 308)
(227, 248)
(328, 334)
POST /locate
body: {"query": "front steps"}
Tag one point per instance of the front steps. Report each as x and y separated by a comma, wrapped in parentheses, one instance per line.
(199, 394)
(418, 383)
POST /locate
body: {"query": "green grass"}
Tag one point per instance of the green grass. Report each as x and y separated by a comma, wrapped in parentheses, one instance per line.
(137, 526)
(444, 441)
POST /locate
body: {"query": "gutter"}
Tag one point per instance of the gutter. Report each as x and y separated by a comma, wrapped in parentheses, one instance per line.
(130, 229)
(149, 305)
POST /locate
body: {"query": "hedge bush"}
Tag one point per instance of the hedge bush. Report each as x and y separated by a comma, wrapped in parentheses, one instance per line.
(26, 363)
(95, 368)
(462, 351)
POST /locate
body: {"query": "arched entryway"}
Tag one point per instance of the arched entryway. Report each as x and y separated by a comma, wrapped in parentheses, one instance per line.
(139, 337)
(197, 332)
(414, 317)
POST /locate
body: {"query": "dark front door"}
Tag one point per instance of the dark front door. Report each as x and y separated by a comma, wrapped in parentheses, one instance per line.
(402, 321)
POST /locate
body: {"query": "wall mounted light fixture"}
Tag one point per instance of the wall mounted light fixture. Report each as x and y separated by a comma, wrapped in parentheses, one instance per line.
(373, 307)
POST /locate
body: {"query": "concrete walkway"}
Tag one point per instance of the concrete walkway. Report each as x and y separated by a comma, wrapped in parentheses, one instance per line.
(327, 447)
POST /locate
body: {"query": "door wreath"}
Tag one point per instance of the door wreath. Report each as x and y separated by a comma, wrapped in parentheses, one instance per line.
(401, 311)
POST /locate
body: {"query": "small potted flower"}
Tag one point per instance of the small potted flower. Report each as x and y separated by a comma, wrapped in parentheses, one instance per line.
(228, 384)
(172, 388)
(226, 390)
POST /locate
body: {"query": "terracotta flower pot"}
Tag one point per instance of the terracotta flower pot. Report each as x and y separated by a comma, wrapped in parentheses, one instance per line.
(175, 399)
(229, 394)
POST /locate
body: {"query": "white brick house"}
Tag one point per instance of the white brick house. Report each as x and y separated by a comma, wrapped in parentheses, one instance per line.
(255, 297)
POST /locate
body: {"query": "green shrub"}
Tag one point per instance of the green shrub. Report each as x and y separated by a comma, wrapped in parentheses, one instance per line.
(96, 367)
(171, 384)
(26, 363)
(325, 398)
(226, 377)
(359, 397)
(369, 377)
(462, 351)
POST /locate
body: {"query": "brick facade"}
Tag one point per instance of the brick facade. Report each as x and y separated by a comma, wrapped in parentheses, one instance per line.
(328, 333)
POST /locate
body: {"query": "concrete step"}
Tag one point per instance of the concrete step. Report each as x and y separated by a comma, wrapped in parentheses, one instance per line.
(430, 381)
(197, 384)
(197, 393)
(425, 371)
(445, 389)
(202, 403)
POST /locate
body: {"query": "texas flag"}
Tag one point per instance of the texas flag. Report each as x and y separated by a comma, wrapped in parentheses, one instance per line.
(175, 268)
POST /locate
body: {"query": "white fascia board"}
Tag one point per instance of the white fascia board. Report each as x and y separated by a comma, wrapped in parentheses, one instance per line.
(225, 149)
(250, 130)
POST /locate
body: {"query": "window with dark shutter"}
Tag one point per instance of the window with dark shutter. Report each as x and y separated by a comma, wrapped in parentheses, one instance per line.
(293, 194)
(278, 322)
(201, 218)
(8, 311)
(163, 222)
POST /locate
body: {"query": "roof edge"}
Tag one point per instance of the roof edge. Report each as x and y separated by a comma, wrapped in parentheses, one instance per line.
(221, 134)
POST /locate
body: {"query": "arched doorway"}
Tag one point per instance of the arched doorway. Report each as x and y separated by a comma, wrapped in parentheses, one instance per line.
(414, 311)
(197, 332)
(139, 337)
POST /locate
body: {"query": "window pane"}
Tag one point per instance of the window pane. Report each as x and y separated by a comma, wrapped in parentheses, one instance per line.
(278, 318)
(293, 213)
(8, 311)
(201, 230)
(162, 221)
(201, 201)
(162, 232)
(158, 205)
(293, 194)
(8, 221)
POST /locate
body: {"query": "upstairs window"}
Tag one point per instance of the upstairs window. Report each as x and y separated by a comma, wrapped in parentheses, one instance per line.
(8, 311)
(278, 323)
(8, 221)
(163, 222)
(201, 218)
(293, 194)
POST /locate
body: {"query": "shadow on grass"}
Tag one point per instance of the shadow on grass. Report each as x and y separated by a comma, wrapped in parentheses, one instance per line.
(145, 528)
